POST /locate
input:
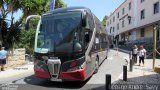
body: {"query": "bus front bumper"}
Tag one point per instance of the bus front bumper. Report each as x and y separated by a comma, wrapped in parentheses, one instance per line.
(77, 75)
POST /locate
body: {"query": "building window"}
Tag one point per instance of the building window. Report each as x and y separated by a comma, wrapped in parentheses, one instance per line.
(156, 7)
(143, 14)
(118, 15)
(142, 1)
(108, 23)
(123, 23)
(123, 11)
(118, 26)
(110, 29)
(113, 29)
(142, 32)
(130, 6)
(113, 19)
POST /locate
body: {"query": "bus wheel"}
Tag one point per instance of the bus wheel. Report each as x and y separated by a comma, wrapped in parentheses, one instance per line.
(96, 66)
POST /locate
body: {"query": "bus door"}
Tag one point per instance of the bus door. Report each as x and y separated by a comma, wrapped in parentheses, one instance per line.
(89, 28)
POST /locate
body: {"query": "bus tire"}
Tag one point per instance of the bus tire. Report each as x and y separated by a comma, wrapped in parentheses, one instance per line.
(96, 66)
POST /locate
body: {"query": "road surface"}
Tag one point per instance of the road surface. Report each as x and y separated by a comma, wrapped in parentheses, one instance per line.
(113, 65)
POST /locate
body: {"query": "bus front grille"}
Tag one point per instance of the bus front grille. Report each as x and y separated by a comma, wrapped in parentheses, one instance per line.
(54, 67)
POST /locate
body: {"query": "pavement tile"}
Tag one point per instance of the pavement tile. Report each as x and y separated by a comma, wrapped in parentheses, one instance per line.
(140, 75)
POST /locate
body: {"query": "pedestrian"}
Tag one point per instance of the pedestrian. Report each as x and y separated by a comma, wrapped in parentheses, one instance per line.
(142, 55)
(134, 53)
(3, 55)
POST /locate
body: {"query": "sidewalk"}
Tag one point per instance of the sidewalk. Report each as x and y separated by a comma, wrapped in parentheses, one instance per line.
(9, 73)
(122, 50)
(141, 78)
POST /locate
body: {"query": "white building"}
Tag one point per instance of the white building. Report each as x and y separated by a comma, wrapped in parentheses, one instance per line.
(134, 20)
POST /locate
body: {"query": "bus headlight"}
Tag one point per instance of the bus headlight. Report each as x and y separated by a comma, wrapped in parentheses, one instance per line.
(73, 65)
(41, 65)
(77, 67)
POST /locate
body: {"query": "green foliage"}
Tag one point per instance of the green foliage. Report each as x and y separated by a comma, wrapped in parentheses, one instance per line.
(30, 7)
(12, 34)
(27, 37)
(10, 30)
(59, 4)
(26, 40)
(104, 21)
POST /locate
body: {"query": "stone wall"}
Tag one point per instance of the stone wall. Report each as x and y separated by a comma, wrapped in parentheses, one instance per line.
(15, 58)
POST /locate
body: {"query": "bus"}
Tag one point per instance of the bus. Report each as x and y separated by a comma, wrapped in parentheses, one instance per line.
(70, 44)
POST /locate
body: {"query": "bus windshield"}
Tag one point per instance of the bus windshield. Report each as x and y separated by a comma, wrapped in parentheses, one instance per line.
(60, 33)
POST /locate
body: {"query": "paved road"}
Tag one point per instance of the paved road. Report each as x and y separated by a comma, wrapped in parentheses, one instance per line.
(113, 65)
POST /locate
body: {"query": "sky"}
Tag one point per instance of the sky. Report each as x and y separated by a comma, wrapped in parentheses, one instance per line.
(99, 7)
(16, 15)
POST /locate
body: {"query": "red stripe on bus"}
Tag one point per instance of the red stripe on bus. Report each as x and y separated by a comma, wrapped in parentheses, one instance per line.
(41, 73)
(74, 75)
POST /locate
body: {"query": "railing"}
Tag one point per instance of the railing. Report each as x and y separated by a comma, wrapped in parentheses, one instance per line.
(141, 41)
(147, 42)
(157, 52)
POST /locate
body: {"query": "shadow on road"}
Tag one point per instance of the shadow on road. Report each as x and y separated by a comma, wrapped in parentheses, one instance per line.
(32, 80)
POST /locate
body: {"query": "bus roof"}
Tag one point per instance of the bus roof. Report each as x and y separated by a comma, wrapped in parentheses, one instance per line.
(67, 9)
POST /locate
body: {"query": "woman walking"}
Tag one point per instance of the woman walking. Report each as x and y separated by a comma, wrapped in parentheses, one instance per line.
(134, 53)
(142, 55)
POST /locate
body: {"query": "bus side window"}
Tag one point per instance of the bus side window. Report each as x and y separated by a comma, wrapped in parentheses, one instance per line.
(90, 22)
(97, 43)
(96, 40)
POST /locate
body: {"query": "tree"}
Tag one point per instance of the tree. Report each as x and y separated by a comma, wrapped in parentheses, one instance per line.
(26, 40)
(30, 7)
(11, 34)
(104, 21)
(8, 26)
(59, 4)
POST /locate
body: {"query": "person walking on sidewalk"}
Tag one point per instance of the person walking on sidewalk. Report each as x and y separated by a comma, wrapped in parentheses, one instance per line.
(134, 53)
(142, 55)
(3, 55)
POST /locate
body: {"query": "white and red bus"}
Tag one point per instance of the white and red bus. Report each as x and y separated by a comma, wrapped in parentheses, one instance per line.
(70, 44)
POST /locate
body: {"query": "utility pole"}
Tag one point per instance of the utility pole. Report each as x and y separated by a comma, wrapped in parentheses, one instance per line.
(154, 46)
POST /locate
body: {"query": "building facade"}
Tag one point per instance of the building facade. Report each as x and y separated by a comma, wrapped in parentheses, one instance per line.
(134, 20)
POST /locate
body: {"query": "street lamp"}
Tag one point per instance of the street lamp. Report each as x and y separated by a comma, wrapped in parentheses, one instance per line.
(129, 19)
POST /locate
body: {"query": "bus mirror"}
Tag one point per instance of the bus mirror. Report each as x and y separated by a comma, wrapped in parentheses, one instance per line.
(28, 20)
